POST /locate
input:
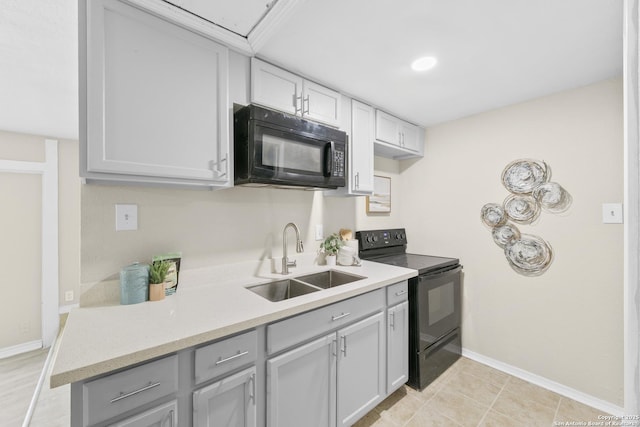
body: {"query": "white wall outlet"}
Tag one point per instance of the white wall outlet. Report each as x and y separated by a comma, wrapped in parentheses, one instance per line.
(612, 213)
(68, 296)
(319, 232)
(126, 217)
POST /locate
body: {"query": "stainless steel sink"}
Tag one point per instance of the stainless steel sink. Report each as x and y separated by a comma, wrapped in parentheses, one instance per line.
(329, 279)
(282, 289)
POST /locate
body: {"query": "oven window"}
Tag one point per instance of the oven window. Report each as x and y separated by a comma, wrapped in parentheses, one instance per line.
(282, 153)
(441, 302)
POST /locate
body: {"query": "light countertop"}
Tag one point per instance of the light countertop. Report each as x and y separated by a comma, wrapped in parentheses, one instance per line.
(210, 304)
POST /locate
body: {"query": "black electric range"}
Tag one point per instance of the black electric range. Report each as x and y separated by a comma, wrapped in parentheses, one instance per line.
(434, 302)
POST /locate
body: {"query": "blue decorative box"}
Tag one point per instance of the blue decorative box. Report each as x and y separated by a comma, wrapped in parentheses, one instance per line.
(134, 284)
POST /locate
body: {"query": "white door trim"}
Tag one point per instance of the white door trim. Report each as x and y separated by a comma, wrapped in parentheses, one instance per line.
(632, 211)
(49, 171)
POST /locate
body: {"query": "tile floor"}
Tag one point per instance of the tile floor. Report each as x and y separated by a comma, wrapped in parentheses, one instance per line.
(472, 394)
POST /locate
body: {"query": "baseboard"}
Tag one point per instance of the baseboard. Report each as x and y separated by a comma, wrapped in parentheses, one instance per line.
(543, 382)
(20, 348)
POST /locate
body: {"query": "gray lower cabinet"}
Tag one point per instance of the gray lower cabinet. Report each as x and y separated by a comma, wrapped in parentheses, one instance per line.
(361, 367)
(301, 385)
(161, 416)
(230, 402)
(333, 380)
(397, 346)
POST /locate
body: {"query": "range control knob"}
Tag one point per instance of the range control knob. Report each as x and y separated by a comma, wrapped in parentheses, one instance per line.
(398, 236)
(375, 238)
(369, 239)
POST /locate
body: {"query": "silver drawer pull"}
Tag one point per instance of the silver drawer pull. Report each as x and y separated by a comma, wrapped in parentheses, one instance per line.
(132, 393)
(334, 318)
(235, 356)
(401, 293)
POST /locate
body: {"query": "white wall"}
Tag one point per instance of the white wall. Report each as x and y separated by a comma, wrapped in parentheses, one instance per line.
(23, 147)
(565, 325)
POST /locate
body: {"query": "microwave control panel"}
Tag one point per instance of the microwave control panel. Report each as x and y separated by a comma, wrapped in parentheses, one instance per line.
(338, 163)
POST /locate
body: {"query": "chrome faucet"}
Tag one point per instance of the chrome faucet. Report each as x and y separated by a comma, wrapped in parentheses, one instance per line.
(299, 248)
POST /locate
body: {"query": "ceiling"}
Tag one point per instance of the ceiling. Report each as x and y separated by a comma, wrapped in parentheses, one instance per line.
(491, 53)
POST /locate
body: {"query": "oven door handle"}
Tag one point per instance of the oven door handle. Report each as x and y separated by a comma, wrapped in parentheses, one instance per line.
(452, 271)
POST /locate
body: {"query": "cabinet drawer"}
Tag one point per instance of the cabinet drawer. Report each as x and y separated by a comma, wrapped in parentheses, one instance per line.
(294, 330)
(118, 393)
(224, 356)
(397, 293)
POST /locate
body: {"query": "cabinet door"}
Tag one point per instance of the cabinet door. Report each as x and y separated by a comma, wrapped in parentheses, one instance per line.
(397, 346)
(387, 128)
(361, 155)
(410, 136)
(361, 367)
(321, 104)
(156, 97)
(160, 416)
(301, 385)
(276, 88)
(230, 402)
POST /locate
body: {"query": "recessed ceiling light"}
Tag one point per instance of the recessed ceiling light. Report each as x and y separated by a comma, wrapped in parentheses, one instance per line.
(423, 64)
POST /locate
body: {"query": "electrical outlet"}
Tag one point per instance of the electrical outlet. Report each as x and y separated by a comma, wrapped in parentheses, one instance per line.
(319, 231)
(612, 213)
(126, 217)
(68, 296)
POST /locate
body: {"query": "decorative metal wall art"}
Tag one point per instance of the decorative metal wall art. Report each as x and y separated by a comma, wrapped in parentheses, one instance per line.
(531, 192)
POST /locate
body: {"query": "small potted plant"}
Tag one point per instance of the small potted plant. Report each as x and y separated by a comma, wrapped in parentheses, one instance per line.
(157, 274)
(330, 247)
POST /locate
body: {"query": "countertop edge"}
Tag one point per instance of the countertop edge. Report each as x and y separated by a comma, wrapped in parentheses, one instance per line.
(126, 360)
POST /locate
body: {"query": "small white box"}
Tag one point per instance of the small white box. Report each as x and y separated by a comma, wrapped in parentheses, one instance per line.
(126, 217)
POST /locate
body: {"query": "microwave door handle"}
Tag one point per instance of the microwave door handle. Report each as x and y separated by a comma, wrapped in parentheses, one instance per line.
(329, 148)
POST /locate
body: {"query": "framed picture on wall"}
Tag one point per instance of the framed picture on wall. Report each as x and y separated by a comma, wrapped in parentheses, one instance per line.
(380, 200)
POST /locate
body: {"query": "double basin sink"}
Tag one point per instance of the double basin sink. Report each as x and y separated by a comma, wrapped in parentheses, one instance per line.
(281, 290)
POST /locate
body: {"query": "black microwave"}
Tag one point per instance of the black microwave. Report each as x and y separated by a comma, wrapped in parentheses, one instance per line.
(275, 148)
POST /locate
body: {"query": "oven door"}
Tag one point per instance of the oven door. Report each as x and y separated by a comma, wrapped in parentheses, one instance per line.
(286, 157)
(437, 305)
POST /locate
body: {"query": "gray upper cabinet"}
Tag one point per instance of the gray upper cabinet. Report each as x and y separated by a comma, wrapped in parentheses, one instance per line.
(154, 101)
(396, 138)
(361, 144)
(276, 88)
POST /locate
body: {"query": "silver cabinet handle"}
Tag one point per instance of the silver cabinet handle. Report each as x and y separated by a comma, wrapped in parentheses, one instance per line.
(392, 320)
(171, 416)
(401, 293)
(124, 395)
(216, 167)
(295, 104)
(357, 179)
(344, 345)
(252, 393)
(341, 316)
(235, 356)
(306, 99)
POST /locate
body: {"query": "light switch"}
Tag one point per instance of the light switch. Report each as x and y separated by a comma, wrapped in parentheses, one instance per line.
(126, 217)
(612, 213)
(319, 232)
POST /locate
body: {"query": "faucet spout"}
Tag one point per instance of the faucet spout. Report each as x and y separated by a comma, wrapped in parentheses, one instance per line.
(299, 247)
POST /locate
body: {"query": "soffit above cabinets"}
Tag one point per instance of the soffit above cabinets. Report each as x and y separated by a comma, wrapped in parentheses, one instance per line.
(236, 16)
